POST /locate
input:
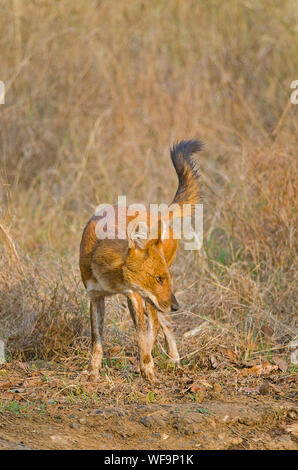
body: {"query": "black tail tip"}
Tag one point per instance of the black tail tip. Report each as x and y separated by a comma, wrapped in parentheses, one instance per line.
(187, 147)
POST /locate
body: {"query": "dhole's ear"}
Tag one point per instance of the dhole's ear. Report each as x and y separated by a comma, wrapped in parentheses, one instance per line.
(137, 234)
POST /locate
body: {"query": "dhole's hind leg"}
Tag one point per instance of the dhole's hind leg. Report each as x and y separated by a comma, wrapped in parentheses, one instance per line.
(135, 305)
(97, 310)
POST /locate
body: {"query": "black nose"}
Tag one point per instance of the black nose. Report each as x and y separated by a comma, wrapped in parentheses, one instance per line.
(174, 304)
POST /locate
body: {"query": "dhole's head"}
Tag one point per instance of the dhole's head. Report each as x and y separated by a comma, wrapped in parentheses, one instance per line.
(146, 270)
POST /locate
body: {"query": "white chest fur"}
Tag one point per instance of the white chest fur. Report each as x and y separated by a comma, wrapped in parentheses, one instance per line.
(96, 288)
(100, 288)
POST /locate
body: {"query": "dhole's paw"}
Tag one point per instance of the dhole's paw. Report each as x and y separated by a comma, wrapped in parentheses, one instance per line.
(173, 365)
(93, 377)
(147, 371)
(174, 360)
(90, 375)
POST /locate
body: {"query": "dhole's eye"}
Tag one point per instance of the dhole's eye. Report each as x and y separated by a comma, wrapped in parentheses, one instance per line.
(159, 280)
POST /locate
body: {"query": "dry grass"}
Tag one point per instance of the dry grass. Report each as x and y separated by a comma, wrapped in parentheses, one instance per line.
(95, 94)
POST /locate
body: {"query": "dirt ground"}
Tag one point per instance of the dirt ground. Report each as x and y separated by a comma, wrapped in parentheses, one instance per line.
(43, 406)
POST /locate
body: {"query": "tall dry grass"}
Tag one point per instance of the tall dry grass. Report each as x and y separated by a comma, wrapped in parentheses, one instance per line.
(95, 94)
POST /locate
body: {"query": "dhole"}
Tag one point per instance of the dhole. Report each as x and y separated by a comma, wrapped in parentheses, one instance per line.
(139, 268)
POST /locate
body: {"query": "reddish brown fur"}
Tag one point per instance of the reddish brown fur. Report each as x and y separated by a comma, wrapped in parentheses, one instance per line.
(140, 271)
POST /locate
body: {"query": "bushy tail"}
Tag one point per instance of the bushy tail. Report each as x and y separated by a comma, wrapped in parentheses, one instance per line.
(187, 168)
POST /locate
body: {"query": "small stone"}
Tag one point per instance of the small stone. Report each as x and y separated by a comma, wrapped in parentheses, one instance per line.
(147, 421)
(236, 441)
(293, 429)
(75, 426)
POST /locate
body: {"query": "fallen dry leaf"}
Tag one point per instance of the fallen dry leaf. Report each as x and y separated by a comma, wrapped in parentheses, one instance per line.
(261, 369)
(11, 396)
(5, 385)
(230, 354)
(265, 368)
(281, 363)
(213, 361)
(131, 359)
(32, 382)
(195, 388)
(35, 373)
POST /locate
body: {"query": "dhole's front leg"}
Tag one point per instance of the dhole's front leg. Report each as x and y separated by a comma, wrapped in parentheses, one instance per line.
(97, 310)
(135, 305)
(167, 328)
(153, 324)
(163, 320)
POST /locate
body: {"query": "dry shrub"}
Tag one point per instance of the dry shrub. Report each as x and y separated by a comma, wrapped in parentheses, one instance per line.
(42, 310)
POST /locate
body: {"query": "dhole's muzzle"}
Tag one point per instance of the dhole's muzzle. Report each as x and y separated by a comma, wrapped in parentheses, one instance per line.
(175, 305)
(172, 307)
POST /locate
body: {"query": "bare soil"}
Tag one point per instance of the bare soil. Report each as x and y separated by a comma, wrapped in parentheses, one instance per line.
(44, 407)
